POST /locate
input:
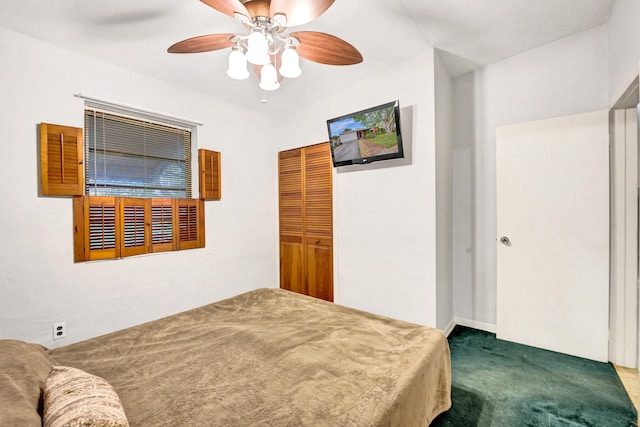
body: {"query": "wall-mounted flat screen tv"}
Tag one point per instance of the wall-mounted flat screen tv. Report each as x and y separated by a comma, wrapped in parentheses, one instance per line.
(366, 136)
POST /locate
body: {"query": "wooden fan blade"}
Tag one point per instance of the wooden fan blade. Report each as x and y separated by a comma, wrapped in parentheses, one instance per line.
(326, 49)
(203, 43)
(228, 7)
(301, 11)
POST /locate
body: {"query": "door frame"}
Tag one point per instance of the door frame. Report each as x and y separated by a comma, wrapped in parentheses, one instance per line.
(624, 332)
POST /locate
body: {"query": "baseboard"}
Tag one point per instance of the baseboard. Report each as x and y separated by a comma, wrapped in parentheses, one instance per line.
(487, 327)
(449, 328)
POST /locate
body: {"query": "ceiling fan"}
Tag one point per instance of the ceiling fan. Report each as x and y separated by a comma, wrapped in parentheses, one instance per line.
(273, 53)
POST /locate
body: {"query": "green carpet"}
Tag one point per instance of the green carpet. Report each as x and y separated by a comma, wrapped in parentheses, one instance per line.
(498, 383)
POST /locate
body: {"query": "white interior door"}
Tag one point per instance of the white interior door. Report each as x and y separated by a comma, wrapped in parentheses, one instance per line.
(553, 220)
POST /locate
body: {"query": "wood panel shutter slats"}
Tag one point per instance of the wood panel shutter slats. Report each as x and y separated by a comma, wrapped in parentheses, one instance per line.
(61, 160)
(102, 227)
(101, 224)
(134, 216)
(162, 225)
(210, 178)
(190, 225)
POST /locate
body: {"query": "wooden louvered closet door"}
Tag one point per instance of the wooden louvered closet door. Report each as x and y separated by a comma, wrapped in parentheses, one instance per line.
(306, 221)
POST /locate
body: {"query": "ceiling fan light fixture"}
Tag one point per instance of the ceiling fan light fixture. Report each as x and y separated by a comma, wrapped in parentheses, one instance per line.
(269, 78)
(290, 67)
(265, 40)
(257, 48)
(237, 65)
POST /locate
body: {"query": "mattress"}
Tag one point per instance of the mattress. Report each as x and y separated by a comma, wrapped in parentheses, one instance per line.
(271, 357)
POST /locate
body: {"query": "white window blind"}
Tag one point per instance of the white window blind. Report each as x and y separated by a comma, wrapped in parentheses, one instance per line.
(129, 157)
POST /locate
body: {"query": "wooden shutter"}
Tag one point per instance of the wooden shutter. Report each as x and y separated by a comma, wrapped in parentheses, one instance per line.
(61, 160)
(209, 166)
(163, 237)
(190, 223)
(134, 233)
(108, 227)
(101, 224)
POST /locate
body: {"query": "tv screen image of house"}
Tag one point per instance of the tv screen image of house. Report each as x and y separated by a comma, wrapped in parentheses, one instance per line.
(366, 136)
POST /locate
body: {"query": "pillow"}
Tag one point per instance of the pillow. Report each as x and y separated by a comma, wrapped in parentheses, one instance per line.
(73, 397)
(23, 371)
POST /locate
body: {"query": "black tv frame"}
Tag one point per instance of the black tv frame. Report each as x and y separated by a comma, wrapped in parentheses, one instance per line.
(399, 154)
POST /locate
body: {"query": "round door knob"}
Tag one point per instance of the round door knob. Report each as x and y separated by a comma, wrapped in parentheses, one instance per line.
(505, 241)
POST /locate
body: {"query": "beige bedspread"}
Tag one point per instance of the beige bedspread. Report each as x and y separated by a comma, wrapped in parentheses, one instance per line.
(271, 357)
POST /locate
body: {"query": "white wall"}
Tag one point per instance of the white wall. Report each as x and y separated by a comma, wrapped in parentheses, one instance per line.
(384, 213)
(568, 76)
(466, 115)
(624, 46)
(624, 54)
(40, 284)
(444, 194)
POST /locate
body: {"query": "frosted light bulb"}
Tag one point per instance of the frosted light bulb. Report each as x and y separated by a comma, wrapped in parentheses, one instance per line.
(290, 64)
(269, 78)
(258, 48)
(237, 65)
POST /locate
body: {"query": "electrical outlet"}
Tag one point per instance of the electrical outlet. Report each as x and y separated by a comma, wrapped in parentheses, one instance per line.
(59, 330)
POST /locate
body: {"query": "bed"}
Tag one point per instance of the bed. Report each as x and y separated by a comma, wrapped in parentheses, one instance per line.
(268, 357)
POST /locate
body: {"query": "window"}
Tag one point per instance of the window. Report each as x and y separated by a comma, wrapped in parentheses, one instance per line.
(129, 157)
(131, 182)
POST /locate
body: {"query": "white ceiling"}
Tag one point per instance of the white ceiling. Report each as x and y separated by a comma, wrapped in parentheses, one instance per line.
(136, 35)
